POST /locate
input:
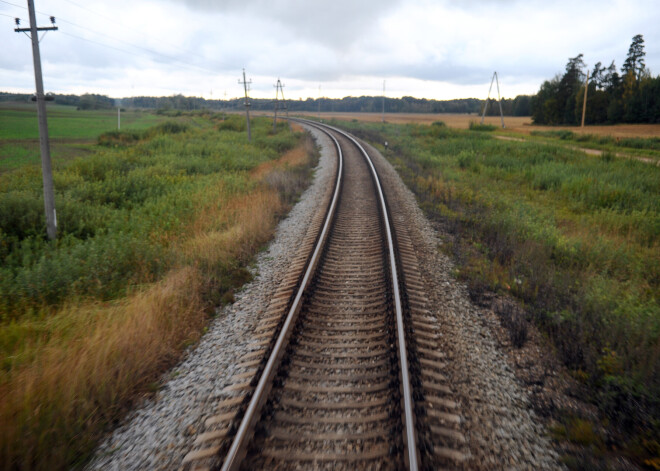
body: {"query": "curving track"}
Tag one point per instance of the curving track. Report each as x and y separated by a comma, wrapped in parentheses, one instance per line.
(330, 383)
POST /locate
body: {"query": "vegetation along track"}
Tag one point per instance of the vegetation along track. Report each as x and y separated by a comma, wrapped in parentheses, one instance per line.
(345, 373)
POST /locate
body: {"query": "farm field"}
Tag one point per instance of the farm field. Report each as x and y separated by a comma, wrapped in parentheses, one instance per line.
(71, 131)
(575, 239)
(637, 141)
(156, 225)
(514, 124)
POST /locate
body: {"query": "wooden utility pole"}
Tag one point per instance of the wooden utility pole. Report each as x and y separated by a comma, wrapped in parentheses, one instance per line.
(584, 104)
(44, 144)
(499, 99)
(246, 86)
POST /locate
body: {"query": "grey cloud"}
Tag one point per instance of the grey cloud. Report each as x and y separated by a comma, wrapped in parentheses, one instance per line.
(338, 23)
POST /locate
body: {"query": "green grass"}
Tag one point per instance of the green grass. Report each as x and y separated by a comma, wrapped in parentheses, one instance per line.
(110, 206)
(575, 238)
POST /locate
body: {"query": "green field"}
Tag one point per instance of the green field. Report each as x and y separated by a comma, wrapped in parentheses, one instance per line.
(575, 238)
(71, 131)
(19, 121)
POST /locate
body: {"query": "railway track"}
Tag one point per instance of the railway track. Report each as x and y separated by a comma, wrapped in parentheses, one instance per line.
(345, 372)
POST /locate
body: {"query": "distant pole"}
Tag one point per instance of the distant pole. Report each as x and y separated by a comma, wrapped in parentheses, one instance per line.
(584, 104)
(319, 103)
(279, 88)
(383, 115)
(483, 114)
(118, 118)
(277, 94)
(246, 86)
(44, 144)
(499, 99)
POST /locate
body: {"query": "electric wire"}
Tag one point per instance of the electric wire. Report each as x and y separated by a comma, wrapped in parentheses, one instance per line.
(131, 30)
(181, 64)
(142, 48)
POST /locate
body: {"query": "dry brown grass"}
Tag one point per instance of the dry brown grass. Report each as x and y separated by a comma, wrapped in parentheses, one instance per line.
(81, 367)
(293, 158)
(515, 124)
(91, 364)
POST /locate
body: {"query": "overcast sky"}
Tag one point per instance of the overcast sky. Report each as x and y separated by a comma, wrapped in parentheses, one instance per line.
(423, 48)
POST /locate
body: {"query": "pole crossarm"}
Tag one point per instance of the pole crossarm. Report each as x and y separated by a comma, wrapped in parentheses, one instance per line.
(43, 28)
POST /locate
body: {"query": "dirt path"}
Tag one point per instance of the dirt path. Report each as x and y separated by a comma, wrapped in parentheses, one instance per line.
(595, 152)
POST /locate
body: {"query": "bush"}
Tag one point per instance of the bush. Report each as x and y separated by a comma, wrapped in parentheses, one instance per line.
(474, 126)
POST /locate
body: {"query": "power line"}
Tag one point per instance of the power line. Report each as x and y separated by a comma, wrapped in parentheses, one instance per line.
(150, 51)
(181, 65)
(14, 4)
(145, 49)
(121, 25)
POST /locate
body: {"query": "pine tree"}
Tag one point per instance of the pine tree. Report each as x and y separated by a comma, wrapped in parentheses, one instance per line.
(635, 61)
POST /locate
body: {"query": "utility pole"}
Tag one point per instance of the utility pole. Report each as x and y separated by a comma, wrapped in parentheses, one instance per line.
(584, 104)
(46, 168)
(279, 88)
(383, 116)
(246, 86)
(319, 103)
(499, 99)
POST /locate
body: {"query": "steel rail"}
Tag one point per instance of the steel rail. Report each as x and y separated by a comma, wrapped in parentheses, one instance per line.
(237, 449)
(411, 442)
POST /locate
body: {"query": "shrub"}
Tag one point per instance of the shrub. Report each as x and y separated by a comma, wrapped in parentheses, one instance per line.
(474, 126)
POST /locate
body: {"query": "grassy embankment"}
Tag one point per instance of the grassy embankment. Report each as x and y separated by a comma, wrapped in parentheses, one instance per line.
(575, 238)
(155, 227)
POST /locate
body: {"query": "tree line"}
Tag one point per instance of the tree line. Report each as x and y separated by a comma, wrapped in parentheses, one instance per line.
(632, 96)
(519, 106)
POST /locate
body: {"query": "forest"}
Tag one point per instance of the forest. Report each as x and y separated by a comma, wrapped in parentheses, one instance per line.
(631, 96)
(519, 106)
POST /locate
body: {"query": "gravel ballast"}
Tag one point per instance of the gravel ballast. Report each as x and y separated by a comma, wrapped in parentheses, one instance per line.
(501, 428)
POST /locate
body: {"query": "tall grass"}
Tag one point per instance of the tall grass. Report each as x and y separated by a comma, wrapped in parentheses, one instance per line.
(153, 235)
(575, 238)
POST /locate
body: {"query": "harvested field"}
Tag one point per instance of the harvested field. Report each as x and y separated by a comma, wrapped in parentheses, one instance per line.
(515, 124)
